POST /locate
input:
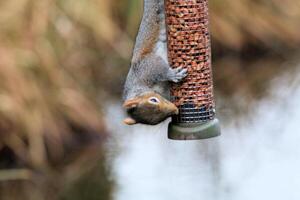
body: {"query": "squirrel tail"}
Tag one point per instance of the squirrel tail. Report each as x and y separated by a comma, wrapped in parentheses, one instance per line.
(149, 29)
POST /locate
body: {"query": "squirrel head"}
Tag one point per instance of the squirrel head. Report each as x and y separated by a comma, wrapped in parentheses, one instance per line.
(150, 108)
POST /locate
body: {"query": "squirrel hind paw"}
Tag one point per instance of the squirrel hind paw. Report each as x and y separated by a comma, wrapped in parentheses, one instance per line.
(177, 74)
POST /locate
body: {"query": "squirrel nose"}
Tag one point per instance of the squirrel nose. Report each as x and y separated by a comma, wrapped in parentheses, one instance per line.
(175, 110)
(172, 109)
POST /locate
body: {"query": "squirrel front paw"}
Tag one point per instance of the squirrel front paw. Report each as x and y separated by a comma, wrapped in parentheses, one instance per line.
(177, 74)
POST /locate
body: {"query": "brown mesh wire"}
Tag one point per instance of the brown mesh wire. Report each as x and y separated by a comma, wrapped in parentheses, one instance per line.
(189, 47)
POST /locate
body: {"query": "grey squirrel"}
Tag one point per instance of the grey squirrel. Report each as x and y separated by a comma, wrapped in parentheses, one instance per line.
(146, 90)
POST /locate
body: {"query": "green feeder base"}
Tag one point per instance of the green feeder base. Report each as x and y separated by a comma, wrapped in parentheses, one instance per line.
(194, 131)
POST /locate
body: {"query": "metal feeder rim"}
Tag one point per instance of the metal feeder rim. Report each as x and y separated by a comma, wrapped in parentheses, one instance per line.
(194, 131)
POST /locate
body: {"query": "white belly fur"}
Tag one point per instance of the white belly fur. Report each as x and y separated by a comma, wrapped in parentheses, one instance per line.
(161, 50)
(161, 45)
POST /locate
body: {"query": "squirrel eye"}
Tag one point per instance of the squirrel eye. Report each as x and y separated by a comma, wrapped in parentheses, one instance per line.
(153, 100)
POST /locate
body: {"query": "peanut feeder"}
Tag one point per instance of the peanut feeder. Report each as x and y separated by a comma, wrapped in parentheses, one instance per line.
(189, 47)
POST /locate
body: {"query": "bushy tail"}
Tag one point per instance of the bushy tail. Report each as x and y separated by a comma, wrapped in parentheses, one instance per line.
(149, 28)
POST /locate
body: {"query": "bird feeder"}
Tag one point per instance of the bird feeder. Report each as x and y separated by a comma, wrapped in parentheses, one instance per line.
(189, 47)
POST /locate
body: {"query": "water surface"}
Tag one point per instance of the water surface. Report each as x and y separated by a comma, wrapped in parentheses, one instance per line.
(257, 156)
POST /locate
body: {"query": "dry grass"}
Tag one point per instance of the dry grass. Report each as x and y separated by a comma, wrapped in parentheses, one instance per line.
(50, 120)
(43, 71)
(271, 23)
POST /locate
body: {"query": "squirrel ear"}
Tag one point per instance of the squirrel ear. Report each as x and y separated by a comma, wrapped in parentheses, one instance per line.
(132, 103)
(129, 121)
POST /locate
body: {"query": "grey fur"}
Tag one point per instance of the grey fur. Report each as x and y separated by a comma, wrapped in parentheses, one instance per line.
(151, 72)
(153, 15)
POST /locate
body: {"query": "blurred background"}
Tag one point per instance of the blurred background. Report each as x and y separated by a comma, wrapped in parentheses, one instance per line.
(62, 67)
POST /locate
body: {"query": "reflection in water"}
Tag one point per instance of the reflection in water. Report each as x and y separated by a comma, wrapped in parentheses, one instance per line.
(256, 158)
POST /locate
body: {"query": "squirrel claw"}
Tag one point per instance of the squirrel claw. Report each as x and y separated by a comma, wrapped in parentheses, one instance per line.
(177, 74)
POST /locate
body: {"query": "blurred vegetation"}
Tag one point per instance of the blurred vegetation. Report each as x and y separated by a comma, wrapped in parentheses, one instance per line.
(271, 24)
(61, 60)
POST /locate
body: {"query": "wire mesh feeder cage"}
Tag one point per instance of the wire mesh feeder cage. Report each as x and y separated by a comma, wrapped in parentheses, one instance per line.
(189, 47)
